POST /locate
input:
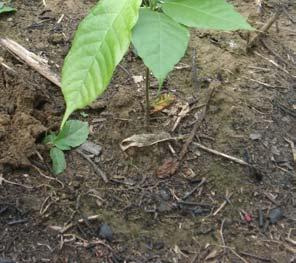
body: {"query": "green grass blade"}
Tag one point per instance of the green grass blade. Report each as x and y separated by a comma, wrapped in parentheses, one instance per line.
(206, 14)
(160, 42)
(100, 42)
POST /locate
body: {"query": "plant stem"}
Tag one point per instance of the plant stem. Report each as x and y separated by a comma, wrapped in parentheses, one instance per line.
(147, 95)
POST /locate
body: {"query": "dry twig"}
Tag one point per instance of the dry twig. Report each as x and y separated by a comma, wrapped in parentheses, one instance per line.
(275, 64)
(13, 183)
(227, 197)
(34, 61)
(95, 167)
(264, 28)
(48, 177)
(199, 121)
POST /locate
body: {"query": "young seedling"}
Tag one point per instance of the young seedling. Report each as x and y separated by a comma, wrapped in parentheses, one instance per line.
(73, 134)
(159, 32)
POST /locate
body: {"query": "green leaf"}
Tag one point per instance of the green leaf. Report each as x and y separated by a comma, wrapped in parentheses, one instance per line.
(58, 160)
(7, 9)
(49, 139)
(160, 42)
(100, 42)
(73, 134)
(206, 14)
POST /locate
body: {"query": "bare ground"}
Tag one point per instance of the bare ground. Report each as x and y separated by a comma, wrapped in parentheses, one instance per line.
(251, 116)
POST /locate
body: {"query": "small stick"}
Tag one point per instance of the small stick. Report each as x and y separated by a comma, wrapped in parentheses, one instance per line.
(126, 71)
(275, 64)
(201, 118)
(203, 181)
(257, 172)
(289, 239)
(197, 124)
(263, 83)
(235, 253)
(147, 86)
(13, 183)
(34, 61)
(265, 28)
(221, 233)
(255, 257)
(61, 19)
(44, 208)
(172, 149)
(259, 6)
(234, 159)
(271, 199)
(47, 177)
(273, 52)
(195, 80)
(95, 167)
(6, 66)
(69, 226)
(228, 196)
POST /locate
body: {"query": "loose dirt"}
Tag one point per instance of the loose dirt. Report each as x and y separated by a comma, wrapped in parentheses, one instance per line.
(251, 116)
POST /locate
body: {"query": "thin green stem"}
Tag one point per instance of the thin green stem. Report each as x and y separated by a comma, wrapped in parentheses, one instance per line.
(147, 95)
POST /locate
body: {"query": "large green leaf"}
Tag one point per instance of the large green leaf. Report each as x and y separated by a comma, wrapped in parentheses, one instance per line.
(205, 14)
(100, 42)
(73, 134)
(58, 160)
(159, 41)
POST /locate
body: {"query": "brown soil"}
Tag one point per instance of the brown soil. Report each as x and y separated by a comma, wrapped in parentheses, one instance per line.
(148, 221)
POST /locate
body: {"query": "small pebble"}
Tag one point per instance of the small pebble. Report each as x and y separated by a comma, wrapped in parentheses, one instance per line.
(255, 136)
(165, 194)
(275, 215)
(91, 148)
(105, 232)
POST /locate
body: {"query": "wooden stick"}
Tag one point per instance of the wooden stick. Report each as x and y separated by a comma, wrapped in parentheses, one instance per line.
(234, 159)
(264, 28)
(34, 61)
(199, 121)
(6, 66)
(98, 171)
(275, 64)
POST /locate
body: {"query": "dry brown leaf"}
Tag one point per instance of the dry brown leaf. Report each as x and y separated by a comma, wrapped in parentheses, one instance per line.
(162, 102)
(142, 140)
(168, 168)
